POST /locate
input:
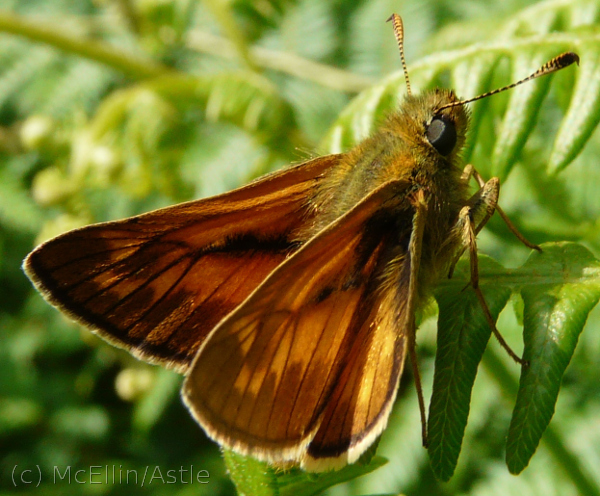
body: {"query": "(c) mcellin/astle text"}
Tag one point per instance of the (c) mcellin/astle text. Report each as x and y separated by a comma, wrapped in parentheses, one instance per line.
(109, 474)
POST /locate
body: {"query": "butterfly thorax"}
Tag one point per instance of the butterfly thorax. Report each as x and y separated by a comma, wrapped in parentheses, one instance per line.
(402, 151)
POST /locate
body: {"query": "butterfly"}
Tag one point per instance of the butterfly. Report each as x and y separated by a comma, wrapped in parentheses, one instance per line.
(289, 303)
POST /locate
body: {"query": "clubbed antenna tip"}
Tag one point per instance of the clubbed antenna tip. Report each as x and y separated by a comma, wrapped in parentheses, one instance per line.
(556, 64)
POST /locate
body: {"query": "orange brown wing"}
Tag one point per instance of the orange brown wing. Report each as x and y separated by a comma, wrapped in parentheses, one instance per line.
(307, 368)
(156, 284)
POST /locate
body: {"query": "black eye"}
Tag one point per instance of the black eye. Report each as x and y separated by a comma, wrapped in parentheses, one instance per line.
(441, 133)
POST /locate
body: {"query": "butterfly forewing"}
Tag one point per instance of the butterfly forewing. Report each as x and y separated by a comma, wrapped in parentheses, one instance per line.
(287, 356)
(157, 284)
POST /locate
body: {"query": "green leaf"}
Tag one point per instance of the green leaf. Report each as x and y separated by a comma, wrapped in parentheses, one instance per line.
(255, 478)
(581, 118)
(472, 75)
(250, 476)
(564, 286)
(463, 333)
(559, 288)
(521, 113)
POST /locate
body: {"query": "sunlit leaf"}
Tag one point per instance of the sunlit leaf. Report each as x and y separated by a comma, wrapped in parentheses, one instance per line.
(564, 285)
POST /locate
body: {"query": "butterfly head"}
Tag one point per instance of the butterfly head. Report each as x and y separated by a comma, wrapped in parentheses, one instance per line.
(436, 131)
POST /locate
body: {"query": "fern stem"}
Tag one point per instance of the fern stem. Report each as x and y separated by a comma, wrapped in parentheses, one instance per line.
(552, 438)
(285, 62)
(54, 35)
(138, 68)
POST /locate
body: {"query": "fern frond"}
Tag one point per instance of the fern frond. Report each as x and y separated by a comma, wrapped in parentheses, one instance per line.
(470, 70)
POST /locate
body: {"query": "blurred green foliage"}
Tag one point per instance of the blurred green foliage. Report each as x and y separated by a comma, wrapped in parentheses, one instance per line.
(109, 108)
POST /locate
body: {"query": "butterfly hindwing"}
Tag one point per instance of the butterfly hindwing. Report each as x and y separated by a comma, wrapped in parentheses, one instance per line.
(359, 406)
(302, 347)
(156, 284)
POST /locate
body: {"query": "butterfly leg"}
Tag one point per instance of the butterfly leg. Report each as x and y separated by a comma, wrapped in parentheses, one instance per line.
(419, 202)
(480, 207)
(469, 172)
(471, 220)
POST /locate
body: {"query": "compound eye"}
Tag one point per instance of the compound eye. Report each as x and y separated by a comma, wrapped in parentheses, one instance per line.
(441, 133)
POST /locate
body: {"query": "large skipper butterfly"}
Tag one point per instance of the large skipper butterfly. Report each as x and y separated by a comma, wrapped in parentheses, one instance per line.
(289, 304)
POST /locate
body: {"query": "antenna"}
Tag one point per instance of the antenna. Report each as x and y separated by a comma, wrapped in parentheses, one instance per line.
(399, 33)
(556, 64)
